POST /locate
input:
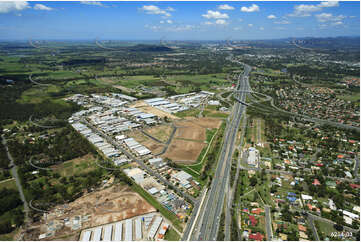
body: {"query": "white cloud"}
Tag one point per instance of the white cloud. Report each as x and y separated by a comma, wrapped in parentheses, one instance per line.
(152, 9)
(168, 28)
(337, 23)
(237, 28)
(215, 14)
(170, 9)
(225, 7)
(305, 10)
(280, 28)
(42, 7)
(167, 21)
(92, 3)
(261, 28)
(6, 7)
(240, 20)
(221, 22)
(217, 22)
(182, 28)
(328, 17)
(282, 22)
(253, 8)
(329, 4)
(250, 25)
(271, 16)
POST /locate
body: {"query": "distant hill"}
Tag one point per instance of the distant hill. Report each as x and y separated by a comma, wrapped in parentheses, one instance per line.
(149, 48)
(328, 43)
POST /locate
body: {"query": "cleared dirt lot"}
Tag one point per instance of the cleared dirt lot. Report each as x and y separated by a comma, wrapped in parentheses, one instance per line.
(191, 132)
(189, 139)
(211, 123)
(195, 128)
(152, 145)
(184, 151)
(149, 109)
(112, 204)
(161, 132)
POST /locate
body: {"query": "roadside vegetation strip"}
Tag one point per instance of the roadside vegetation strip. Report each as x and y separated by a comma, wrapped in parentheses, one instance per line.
(165, 212)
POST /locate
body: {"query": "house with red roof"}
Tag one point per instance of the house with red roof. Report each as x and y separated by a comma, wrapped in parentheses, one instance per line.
(302, 228)
(257, 211)
(253, 220)
(353, 186)
(257, 236)
(316, 182)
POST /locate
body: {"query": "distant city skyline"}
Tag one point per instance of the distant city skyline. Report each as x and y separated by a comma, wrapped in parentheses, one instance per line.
(23, 20)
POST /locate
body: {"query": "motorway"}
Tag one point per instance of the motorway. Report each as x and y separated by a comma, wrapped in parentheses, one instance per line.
(211, 211)
(230, 195)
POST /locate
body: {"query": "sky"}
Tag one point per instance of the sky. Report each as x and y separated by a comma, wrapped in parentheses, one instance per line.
(155, 20)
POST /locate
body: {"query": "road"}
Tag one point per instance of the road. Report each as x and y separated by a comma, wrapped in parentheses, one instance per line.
(230, 196)
(140, 162)
(39, 125)
(356, 170)
(209, 223)
(168, 141)
(14, 173)
(315, 217)
(152, 137)
(194, 217)
(37, 83)
(313, 228)
(269, 232)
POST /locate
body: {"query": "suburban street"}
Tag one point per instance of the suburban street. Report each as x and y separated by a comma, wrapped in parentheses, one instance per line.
(269, 233)
(313, 228)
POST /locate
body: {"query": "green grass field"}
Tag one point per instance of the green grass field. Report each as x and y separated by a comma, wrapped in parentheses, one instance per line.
(352, 98)
(9, 184)
(171, 235)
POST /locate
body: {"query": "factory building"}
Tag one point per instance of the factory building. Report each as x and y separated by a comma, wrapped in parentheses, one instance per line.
(253, 157)
(128, 233)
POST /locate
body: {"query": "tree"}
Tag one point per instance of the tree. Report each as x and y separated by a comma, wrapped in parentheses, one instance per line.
(253, 181)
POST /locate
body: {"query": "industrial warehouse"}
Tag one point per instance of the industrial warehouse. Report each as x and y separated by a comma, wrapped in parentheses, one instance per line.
(179, 103)
(150, 226)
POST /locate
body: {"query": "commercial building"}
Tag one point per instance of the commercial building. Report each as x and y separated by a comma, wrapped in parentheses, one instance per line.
(154, 228)
(86, 235)
(138, 229)
(128, 233)
(253, 157)
(108, 229)
(118, 231)
(97, 234)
